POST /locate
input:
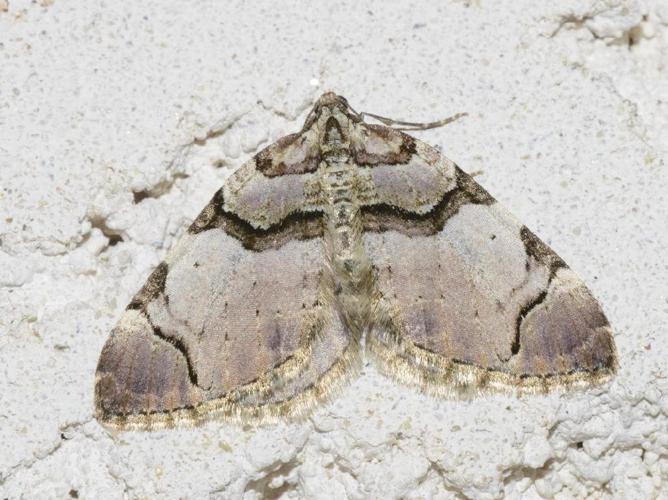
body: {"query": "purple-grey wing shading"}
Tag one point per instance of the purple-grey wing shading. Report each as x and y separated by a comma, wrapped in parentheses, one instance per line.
(470, 299)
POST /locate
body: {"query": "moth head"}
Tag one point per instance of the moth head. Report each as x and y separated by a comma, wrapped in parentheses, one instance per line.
(330, 104)
(332, 99)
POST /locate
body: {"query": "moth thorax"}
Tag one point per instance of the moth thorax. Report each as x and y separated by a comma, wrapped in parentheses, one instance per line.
(335, 152)
(338, 180)
(334, 135)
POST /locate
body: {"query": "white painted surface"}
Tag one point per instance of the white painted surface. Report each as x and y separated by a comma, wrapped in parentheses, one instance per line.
(568, 122)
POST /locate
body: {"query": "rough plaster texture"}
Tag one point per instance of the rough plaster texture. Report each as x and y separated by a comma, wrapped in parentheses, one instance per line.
(118, 120)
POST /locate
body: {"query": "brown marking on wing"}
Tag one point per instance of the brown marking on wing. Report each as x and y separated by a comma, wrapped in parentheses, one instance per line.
(566, 330)
(386, 217)
(296, 226)
(131, 358)
(540, 251)
(292, 154)
(383, 146)
(154, 286)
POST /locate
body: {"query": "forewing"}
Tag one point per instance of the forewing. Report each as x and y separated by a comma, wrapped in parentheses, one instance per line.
(470, 299)
(233, 323)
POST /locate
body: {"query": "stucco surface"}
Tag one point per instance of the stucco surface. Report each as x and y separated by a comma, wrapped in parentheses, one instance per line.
(118, 121)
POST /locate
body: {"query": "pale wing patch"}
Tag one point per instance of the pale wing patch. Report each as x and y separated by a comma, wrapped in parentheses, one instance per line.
(265, 201)
(416, 185)
(211, 309)
(458, 293)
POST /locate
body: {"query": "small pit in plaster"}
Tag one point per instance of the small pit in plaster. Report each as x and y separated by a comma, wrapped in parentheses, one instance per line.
(111, 235)
(160, 189)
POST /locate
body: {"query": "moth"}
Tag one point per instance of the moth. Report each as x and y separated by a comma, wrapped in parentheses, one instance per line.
(345, 240)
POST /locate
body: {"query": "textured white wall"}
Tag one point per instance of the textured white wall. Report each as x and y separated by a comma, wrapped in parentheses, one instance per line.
(118, 120)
